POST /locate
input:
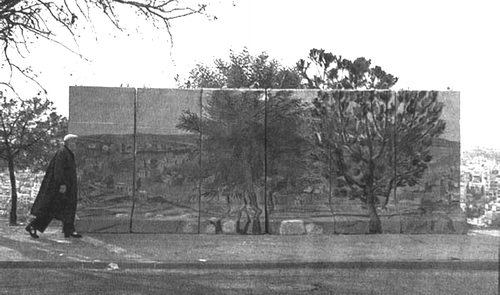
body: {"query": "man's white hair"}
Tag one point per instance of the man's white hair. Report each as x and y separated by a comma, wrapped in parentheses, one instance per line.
(69, 136)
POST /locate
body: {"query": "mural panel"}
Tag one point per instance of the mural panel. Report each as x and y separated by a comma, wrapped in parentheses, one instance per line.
(233, 160)
(314, 139)
(103, 118)
(167, 162)
(433, 204)
(295, 188)
(336, 165)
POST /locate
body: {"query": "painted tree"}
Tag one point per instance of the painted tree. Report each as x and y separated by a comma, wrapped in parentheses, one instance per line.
(323, 70)
(23, 23)
(236, 143)
(27, 133)
(243, 70)
(378, 140)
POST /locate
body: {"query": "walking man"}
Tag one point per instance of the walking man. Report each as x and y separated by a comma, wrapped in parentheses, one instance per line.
(57, 196)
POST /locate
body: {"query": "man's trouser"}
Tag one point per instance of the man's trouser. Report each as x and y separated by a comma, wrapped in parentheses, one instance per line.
(41, 223)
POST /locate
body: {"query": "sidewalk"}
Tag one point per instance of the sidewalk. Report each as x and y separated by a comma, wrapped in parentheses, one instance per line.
(167, 251)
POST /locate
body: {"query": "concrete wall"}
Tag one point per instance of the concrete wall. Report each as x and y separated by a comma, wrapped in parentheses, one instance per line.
(104, 118)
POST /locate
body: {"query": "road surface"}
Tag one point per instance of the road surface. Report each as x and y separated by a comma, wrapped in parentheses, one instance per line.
(296, 280)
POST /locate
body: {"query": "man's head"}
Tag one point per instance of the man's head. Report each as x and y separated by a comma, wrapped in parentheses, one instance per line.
(70, 141)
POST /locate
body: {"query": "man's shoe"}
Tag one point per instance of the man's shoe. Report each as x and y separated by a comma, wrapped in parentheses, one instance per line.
(73, 235)
(32, 231)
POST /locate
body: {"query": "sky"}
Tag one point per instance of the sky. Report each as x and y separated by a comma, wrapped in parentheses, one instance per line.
(429, 45)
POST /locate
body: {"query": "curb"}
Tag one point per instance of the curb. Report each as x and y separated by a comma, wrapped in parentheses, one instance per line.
(476, 265)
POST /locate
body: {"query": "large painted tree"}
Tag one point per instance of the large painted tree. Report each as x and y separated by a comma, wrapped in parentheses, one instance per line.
(377, 140)
(241, 158)
(28, 132)
(324, 70)
(244, 70)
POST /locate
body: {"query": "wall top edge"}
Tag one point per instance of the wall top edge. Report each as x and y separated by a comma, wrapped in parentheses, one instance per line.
(263, 89)
(100, 87)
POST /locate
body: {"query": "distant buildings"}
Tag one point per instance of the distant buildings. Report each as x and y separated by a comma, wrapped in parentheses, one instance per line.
(480, 185)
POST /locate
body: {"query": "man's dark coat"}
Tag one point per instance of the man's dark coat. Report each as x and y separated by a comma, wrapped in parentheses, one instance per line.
(51, 202)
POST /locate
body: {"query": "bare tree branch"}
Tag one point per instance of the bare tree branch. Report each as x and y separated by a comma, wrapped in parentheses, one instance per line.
(22, 22)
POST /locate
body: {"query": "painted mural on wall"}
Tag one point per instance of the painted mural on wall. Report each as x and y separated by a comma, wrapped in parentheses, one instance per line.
(229, 158)
(104, 120)
(166, 156)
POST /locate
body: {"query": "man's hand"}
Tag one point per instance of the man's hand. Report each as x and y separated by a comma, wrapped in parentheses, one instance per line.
(62, 190)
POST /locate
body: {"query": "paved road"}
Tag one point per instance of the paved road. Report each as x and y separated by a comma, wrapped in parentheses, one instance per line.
(15, 244)
(214, 264)
(269, 281)
(18, 246)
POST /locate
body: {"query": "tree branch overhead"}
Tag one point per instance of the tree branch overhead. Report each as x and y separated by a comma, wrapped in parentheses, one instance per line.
(22, 22)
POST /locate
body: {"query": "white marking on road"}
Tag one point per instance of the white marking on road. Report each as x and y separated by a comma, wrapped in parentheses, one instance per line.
(46, 240)
(486, 232)
(24, 239)
(115, 249)
(60, 241)
(7, 254)
(109, 247)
